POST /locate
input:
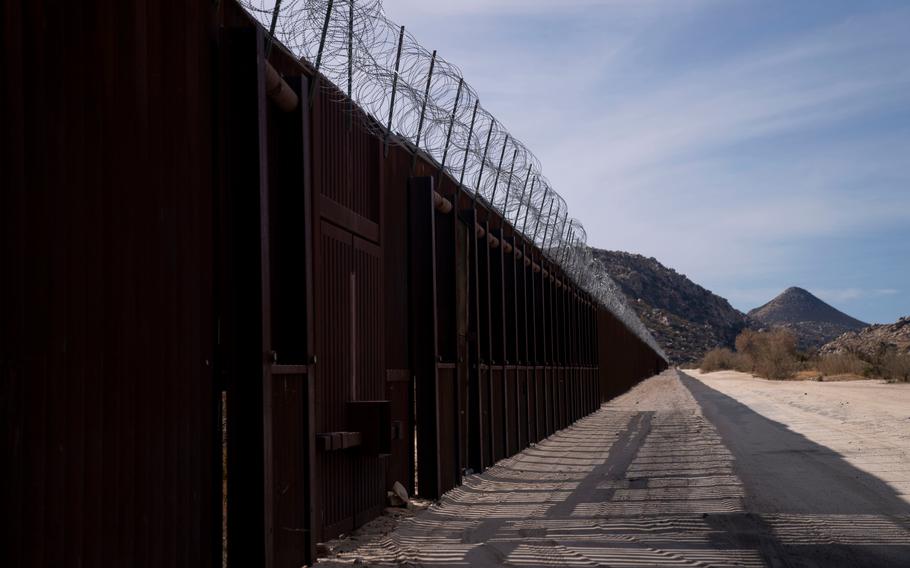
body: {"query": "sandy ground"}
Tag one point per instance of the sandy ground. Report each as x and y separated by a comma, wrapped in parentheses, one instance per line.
(718, 470)
(866, 422)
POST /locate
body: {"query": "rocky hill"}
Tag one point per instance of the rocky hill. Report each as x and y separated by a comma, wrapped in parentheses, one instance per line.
(870, 340)
(686, 319)
(813, 321)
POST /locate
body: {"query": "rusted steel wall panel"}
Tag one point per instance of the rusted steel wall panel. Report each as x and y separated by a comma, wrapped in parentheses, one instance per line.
(239, 288)
(400, 465)
(561, 397)
(395, 168)
(290, 469)
(547, 403)
(332, 152)
(624, 360)
(513, 398)
(510, 299)
(530, 428)
(350, 367)
(108, 342)
(369, 369)
(288, 421)
(350, 359)
(581, 390)
(546, 337)
(543, 401)
(473, 399)
(334, 371)
(421, 254)
(366, 156)
(106, 384)
(499, 335)
(346, 159)
(521, 377)
(498, 414)
(348, 181)
(486, 412)
(578, 390)
(497, 295)
(449, 473)
(523, 320)
(466, 340)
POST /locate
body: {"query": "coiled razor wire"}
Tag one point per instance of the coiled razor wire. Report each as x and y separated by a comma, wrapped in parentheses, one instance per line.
(419, 99)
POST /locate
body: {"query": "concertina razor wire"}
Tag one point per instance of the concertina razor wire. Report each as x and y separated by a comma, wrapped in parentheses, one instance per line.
(421, 100)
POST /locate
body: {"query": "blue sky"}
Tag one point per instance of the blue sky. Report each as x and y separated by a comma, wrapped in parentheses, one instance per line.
(751, 145)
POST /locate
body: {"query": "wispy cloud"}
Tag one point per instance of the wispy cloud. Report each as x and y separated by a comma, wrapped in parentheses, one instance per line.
(850, 294)
(678, 116)
(748, 150)
(416, 9)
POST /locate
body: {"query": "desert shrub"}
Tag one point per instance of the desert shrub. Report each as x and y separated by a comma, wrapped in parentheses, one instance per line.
(770, 354)
(723, 359)
(840, 364)
(747, 345)
(774, 354)
(897, 368)
(890, 365)
(717, 359)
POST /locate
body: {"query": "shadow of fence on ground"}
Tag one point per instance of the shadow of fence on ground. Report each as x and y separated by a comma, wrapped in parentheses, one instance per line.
(647, 488)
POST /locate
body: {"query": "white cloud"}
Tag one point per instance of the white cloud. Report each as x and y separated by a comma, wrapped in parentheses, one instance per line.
(733, 167)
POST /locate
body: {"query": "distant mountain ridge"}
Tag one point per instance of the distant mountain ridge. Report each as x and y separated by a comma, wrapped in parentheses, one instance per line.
(813, 321)
(685, 318)
(688, 320)
(868, 341)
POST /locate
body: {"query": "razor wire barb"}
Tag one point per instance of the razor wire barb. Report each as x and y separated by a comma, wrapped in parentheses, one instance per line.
(417, 98)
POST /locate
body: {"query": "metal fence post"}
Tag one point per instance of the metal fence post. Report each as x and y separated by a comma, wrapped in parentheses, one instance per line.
(524, 224)
(350, 101)
(325, 28)
(546, 229)
(498, 170)
(268, 44)
(562, 235)
(505, 203)
(483, 163)
(546, 192)
(467, 147)
(388, 128)
(569, 245)
(521, 198)
(445, 151)
(426, 96)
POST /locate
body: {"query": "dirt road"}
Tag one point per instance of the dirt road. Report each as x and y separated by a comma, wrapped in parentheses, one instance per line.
(866, 422)
(684, 471)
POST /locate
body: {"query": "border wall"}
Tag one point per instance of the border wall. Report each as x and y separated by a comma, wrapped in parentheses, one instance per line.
(225, 322)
